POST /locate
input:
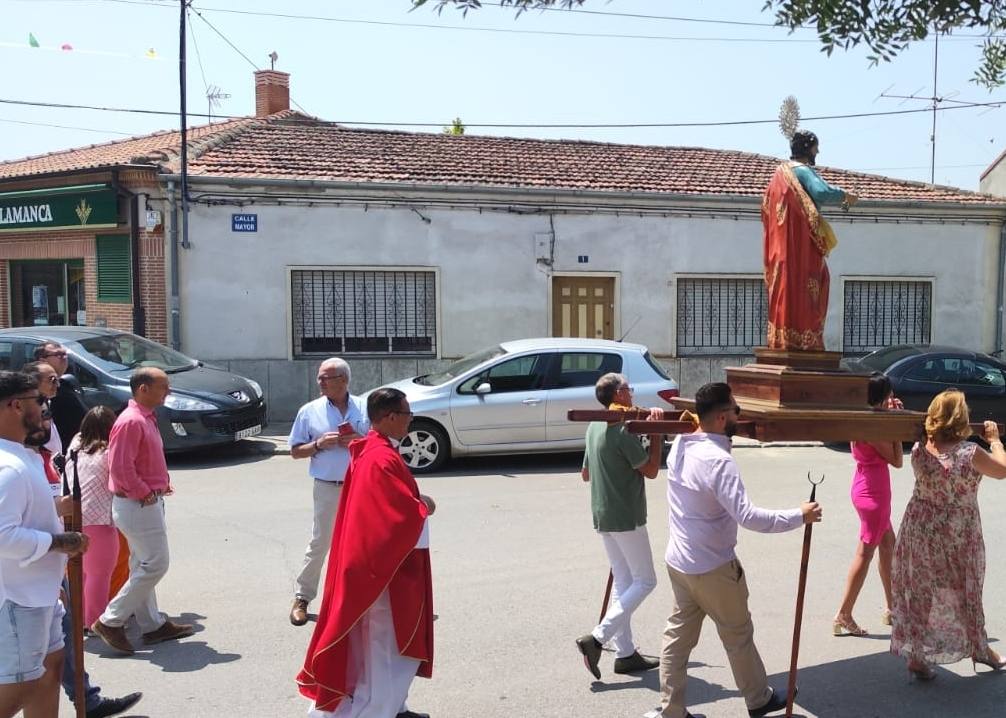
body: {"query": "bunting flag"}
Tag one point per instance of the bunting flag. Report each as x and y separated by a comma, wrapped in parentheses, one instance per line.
(32, 42)
(151, 53)
(66, 46)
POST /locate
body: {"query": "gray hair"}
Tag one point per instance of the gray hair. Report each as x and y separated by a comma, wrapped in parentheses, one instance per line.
(339, 365)
(607, 386)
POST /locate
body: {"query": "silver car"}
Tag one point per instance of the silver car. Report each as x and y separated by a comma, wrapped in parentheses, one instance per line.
(513, 398)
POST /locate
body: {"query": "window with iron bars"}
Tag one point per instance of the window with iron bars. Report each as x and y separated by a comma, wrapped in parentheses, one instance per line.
(720, 315)
(343, 311)
(879, 313)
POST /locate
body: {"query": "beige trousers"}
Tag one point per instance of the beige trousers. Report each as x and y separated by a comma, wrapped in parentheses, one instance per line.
(326, 504)
(721, 594)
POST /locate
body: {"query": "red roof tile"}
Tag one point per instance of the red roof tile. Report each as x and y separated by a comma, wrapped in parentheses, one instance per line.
(293, 146)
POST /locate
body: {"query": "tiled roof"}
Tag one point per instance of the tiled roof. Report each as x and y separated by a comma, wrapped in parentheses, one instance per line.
(293, 146)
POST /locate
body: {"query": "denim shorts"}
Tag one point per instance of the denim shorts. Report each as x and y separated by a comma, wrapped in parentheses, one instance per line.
(27, 636)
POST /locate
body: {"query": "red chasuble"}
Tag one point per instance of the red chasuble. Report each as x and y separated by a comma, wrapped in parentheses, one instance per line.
(379, 521)
(797, 239)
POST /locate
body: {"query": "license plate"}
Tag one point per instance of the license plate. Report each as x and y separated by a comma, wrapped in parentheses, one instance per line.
(250, 431)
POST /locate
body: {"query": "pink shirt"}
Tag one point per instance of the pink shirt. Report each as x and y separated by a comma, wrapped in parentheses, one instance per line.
(136, 464)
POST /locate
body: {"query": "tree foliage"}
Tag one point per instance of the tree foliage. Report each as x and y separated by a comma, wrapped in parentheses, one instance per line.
(520, 5)
(887, 27)
(456, 127)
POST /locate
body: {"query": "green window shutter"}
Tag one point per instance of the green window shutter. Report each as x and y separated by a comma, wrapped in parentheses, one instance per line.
(114, 269)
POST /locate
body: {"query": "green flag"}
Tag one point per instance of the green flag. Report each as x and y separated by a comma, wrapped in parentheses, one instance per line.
(32, 41)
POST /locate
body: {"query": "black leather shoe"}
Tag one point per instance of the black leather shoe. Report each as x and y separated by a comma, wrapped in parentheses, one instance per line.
(775, 703)
(635, 663)
(114, 706)
(591, 651)
(412, 714)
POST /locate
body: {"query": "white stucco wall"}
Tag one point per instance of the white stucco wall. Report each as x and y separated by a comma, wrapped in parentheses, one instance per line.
(491, 288)
(995, 181)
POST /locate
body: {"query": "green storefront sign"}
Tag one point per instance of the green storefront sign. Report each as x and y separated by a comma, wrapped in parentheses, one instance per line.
(92, 206)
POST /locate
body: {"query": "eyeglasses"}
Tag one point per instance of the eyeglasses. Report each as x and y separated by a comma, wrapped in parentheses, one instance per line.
(626, 387)
(39, 399)
(322, 379)
(404, 413)
(56, 354)
(52, 379)
(735, 409)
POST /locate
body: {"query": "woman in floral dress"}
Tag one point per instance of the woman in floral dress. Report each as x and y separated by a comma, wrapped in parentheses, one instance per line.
(939, 557)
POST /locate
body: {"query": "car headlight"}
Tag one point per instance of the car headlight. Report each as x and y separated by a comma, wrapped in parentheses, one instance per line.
(187, 403)
(256, 386)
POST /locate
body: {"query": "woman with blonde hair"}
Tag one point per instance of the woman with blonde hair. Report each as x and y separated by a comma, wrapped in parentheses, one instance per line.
(939, 557)
(90, 448)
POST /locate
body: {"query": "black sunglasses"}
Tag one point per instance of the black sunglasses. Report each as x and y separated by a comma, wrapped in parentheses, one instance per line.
(39, 399)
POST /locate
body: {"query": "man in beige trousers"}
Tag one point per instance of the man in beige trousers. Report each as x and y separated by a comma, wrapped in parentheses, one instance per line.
(707, 502)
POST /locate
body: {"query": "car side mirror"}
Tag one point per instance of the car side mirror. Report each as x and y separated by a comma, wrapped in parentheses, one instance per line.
(71, 381)
(484, 388)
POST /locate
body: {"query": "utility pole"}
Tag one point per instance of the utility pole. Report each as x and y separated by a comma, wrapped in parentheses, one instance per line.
(183, 13)
(936, 100)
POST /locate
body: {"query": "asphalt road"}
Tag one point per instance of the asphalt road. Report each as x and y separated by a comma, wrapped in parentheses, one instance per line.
(518, 574)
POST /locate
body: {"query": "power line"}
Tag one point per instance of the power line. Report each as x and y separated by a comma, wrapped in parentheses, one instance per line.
(518, 125)
(514, 31)
(64, 127)
(237, 49)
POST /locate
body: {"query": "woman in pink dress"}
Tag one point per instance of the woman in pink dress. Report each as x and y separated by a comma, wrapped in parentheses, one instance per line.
(91, 447)
(871, 495)
(939, 559)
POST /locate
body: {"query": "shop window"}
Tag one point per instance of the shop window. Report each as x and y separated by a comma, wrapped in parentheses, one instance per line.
(114, 269)
(364, 312)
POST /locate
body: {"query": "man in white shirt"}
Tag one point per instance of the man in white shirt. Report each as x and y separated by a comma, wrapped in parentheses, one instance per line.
(707, 502)
(321, 432)
(33, 551)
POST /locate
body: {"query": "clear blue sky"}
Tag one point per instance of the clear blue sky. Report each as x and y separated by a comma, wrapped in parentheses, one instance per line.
(348, 72)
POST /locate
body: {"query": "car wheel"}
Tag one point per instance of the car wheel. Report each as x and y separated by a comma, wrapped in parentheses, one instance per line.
(425, 448)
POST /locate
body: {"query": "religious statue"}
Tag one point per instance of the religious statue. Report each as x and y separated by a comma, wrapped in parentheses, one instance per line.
(797, 240)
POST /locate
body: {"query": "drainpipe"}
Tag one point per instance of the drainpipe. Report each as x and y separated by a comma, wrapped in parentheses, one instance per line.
(174, 307)
(139, 313)
(1000, 289)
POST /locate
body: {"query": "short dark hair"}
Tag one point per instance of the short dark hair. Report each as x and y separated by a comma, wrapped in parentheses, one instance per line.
(800, 144)
(13, 383)
(878, 388)
(382, 402)
(711, 397)
(41, 349)
(34, 369)
(144, 376)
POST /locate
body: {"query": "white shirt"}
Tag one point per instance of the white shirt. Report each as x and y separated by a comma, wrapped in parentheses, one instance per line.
(707, 500)
(318, 417)
(30, 574)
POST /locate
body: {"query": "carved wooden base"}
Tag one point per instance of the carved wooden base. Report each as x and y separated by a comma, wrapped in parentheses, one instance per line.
(828, 361)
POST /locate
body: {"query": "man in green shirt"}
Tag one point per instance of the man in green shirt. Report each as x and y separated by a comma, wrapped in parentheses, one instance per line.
(615, 463)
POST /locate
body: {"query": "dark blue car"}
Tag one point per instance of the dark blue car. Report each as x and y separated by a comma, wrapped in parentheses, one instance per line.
(207, 405)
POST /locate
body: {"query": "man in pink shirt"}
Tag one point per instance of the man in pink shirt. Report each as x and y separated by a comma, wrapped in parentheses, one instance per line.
(138, 478)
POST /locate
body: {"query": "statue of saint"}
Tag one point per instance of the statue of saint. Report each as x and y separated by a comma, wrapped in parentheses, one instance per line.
(797, 240)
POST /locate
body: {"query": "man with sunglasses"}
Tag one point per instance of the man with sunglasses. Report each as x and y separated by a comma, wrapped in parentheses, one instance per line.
(615, 463)
(67, 405)
(375, 630)
(321, 432)
(33, 552)
(707, 502)
(48, 385)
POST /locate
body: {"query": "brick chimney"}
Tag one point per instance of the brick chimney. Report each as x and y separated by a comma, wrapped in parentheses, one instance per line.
(272, 92)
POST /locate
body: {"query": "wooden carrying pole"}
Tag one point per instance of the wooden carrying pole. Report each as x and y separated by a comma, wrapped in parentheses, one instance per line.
(800, 591)
(75, 576)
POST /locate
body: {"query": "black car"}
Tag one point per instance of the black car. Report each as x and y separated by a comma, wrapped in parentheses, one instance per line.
(207, 405)
(918, 373)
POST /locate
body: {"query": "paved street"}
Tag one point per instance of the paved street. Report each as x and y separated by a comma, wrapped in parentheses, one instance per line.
(518, 574)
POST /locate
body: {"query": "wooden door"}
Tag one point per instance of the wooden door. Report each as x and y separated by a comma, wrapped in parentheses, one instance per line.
(583, 307)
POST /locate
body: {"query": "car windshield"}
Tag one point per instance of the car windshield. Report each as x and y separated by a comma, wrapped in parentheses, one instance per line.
(883, 358)
(117, 352)
(459, 367)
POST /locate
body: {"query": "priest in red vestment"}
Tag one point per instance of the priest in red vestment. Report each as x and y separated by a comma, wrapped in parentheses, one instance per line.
(797, 240)
(375, 628)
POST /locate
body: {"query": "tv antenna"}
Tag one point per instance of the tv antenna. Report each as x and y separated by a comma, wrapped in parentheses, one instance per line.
(213, 97)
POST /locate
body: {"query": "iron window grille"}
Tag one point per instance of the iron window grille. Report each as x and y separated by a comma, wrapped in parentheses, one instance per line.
(363, 312)
(879, 313)
(720, 315)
